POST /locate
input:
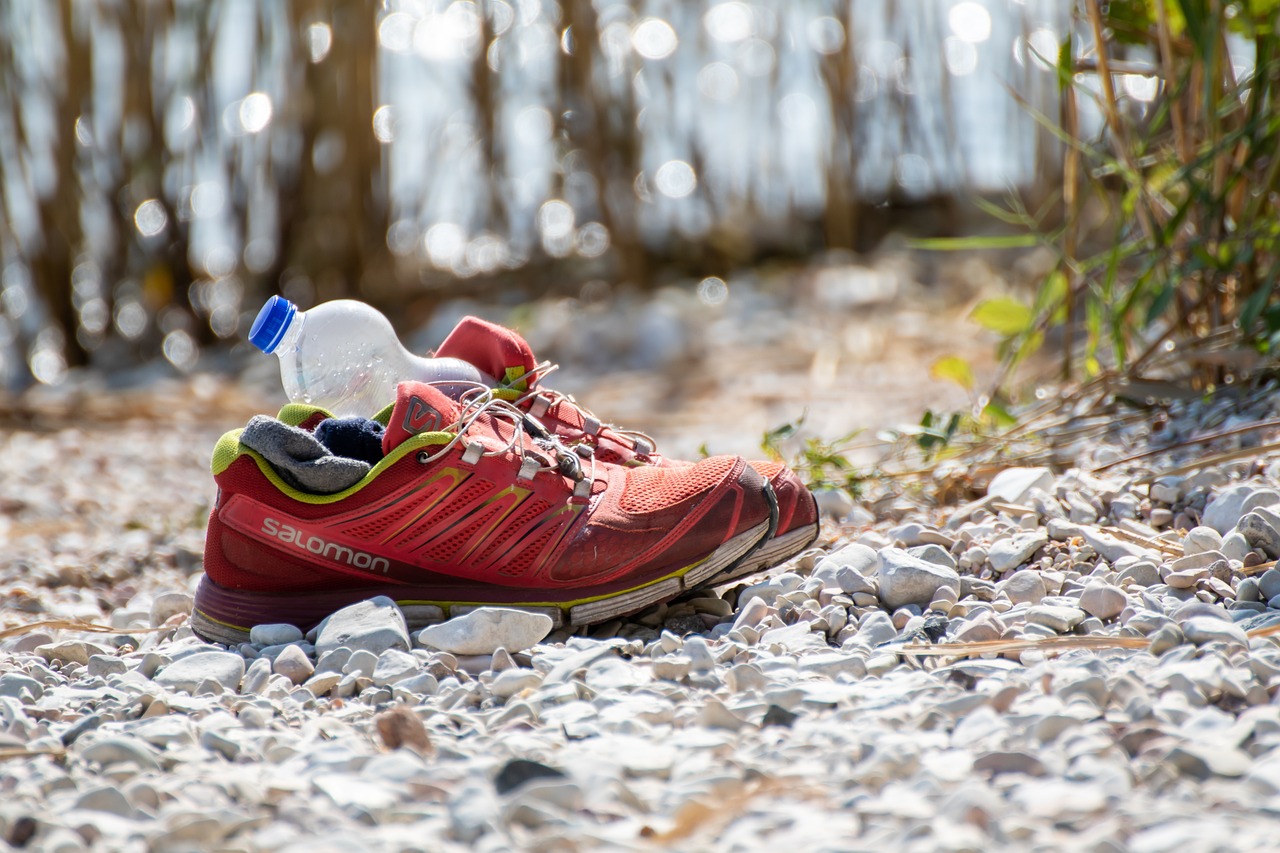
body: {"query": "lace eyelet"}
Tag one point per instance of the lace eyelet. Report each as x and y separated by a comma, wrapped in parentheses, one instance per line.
(423, 457)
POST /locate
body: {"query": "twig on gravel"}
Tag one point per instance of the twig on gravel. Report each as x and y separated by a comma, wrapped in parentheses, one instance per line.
(1068, 643)
(1171, 548)
(1088, 641)
(1258, 569)
(1177, 445)
(1216, 459)
(21, 752)
(74, 625)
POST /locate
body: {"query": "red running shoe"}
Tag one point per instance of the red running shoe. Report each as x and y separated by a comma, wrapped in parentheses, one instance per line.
(465, 510)
(504, 355)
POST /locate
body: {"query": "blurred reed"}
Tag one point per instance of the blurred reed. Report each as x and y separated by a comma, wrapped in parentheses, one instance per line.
(166, 164)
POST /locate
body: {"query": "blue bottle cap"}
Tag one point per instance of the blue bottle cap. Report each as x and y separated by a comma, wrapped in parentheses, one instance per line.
(270, 325)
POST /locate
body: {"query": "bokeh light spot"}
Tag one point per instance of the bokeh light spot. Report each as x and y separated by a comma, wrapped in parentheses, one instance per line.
(654, 38)
(713, 291)
(319, 41)
(150, 218)
(675, 179)
(970, 22)
(255, 112)
(384, 120)
(729, 22)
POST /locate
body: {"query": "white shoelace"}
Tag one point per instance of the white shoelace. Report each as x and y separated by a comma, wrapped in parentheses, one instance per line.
(479, 401)
(645, 445)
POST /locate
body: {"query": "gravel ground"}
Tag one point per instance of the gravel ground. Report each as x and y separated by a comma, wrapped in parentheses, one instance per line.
(1125, 699)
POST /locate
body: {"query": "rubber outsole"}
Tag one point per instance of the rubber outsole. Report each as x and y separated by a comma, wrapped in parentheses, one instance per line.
(306, 610)
(772, 552)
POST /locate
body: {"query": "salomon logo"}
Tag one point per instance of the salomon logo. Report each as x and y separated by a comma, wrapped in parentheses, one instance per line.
(322, 548)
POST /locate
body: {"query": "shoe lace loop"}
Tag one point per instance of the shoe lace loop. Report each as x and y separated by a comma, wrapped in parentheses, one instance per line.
(480, 401)
(644, 444)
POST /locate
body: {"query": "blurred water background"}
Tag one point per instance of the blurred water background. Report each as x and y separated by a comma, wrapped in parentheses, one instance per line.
(167, 164)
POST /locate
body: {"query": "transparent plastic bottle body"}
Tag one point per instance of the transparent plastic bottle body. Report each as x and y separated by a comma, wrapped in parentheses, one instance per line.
(344, 356)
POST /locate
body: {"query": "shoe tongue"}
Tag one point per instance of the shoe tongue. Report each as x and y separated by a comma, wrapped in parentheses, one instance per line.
(494, 349)
(419, 408)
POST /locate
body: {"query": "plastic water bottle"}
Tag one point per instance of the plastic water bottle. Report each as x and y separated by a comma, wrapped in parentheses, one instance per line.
(344, 356)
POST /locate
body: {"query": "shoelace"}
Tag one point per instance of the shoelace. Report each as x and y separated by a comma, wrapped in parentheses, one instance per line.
(644, 445)
(479, 401)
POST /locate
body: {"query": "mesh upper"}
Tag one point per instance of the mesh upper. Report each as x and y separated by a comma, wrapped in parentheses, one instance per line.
(652, 489)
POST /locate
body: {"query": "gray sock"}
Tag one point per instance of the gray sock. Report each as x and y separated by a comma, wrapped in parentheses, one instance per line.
(299, 457)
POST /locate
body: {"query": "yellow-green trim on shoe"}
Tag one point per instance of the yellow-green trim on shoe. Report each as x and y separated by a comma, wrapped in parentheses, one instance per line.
(229, 448)
(294, 414)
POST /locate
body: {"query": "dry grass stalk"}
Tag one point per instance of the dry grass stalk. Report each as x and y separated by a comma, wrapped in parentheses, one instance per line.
(1171, 548)
(22, 752)
(73, 625)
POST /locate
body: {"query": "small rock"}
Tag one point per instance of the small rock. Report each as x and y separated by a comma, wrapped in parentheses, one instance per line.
(1000, 761)
(486, 629)
(1013, 484)
(518, 771)
(904, 579)
(1058, 618)
(276, 634)
(293, 664)
(935, 554)
(1026, 586)
(1102, 600)
(187, 673)
(1224, 511)
(1205, 629)
(401, 728)
(1200, 539)
(374, 625)
(1007, 554)
(776, 715)
(167, 605)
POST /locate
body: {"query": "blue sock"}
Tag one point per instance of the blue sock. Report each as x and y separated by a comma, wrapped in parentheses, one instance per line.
(354, 438)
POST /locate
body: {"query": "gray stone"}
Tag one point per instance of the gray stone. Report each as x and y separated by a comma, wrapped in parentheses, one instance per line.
(293, 665)
(1055, 617)
(1269, 584)
(876, 628)
(1200, 539)
(1225, 510)
(1009, 553)
(276, 634)
(374, 625)
(394, 666)
(1142, 573)
(361, 663)
(834, 664)
(187, 673)
(904, 579)
(1026, 586)
(855, 557)
(752, 613)
(167, 605)
(486, 629)
(1235, 546)
(1261, 532)
(256, 677)
(1102, 600)
(934, 554)
(1013, 484)
(512, 681)
(120, 750)
(1164, 638)
(105, 665)
(107, 798)
(1203, 629)
(19, 686)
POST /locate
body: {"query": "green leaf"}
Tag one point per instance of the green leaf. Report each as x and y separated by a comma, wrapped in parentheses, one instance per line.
(955, 244)
(998, 415)
(954, 369)
(1002, 315)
